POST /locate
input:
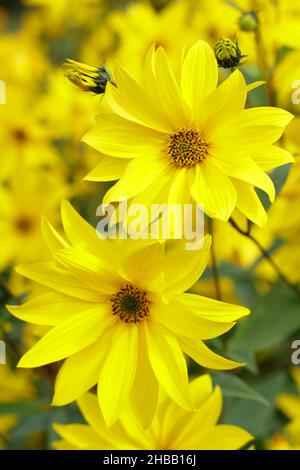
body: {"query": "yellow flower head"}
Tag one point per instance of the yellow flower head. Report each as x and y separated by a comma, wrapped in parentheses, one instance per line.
(178, 138)
(171, 428)
(88, 78)
(118, 313)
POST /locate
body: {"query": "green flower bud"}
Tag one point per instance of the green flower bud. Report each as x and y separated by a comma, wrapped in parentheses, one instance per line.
(88, 78)
(249, 22)
(228, 53)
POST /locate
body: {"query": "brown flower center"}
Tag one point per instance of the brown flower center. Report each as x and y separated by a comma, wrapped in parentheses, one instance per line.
(24, 224)
(20, 135)
(130, 304)
(187, 148)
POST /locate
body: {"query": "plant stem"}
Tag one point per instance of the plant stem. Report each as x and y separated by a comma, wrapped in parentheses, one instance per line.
(261, 57)
(6, 290)
(215, 264)
(267, 256)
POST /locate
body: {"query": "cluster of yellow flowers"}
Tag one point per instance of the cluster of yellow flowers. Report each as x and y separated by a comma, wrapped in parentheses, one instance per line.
(186, 103)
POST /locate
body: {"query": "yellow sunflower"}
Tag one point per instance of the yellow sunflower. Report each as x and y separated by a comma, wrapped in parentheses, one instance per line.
(118, 313)
(171, 428)
(178, 138)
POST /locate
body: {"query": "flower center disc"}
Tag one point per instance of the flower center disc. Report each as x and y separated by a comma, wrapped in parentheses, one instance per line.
(187, 148)
(130, 304)
(24, 224)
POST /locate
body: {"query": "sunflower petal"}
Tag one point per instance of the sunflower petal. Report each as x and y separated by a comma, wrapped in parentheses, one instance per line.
(67, 338)
(120, 138)
(199, 74)
(205, 357)
(192, 263)
(214, 191)
(86, 363)
(108, 169)
(168, 364)
(118, 372)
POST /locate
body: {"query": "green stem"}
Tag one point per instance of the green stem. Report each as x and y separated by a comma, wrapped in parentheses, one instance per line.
(215, 264)
(266, 255)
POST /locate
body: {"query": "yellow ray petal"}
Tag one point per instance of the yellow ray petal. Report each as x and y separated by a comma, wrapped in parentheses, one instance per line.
(227, 101)
(50, 275)
(221, 437)
(69, 385)
(181, 321)
(265, 116)
(201, 421)
(168, 90)
(52, 237)
(254, 85)
(199, 75)
(205, 357)
(212, 309)
(126, 102)
(108, 169)
(49, 308)
(81, 436)
(201, 389)
(289, 405)
(192, 264)
(246, 170)
(168, 364)
(116, 436)
(118, 137)
(144, 394)
(214, 190)
(69, 337)
(80, 232)
(118, 372)
(89, 268)
(271, 157)
(249, 203)
(139, 175)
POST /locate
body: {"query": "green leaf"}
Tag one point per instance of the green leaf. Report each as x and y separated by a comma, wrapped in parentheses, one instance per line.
(261, 421)
(234, 387)
(273, 319)
(279, 177)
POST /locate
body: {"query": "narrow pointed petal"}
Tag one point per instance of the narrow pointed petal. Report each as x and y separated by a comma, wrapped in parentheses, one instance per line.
(205, 357)
(49, 308)
(144, 394)
(69, 386)
(168, 364)
(212, 309)
(199, 75)
(181, 321)
(118, 372)
(53, 239)
(271, 157)
(108, 169)
(222, 437)
(126, 102)
(249, 203)
(139, 175)
(192, 263)
(69, 337)
(120, 138)
(214, 190)
(227, 101)
(50, 275)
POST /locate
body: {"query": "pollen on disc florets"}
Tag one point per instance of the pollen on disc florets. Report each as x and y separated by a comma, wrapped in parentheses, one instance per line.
(130, 304)
(187, 148)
